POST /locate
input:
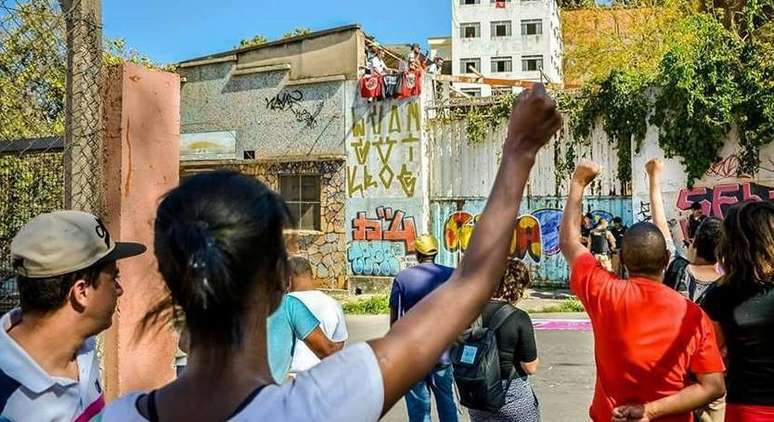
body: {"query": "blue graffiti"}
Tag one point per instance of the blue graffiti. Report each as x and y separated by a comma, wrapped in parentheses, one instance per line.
(600, 214)
(374, 258)
(549, 219)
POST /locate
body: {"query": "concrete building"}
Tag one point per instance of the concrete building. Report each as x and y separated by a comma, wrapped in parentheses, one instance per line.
(289, 113)
(513, 39)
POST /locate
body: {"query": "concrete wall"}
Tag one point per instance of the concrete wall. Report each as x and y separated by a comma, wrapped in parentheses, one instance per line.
(718, 189)
(516, 46)
(142, 131)
(334, 53)
(268, 113)
(386, 185)
(326, 249)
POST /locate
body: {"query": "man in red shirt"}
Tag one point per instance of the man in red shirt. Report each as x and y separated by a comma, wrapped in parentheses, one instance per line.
(648, 339)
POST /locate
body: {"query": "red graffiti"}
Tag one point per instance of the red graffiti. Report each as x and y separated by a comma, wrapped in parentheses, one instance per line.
(727, 167)
(715, 201)
(390, 225)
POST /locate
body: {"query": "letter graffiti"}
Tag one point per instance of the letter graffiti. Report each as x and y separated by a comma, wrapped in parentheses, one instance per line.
(374, 258)
(383, 151)
(389, 225)
(459, 228)
(291, 101)
(715, 201)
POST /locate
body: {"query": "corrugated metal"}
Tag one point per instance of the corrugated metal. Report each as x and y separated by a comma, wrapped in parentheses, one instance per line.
(550, 267)
(463, 170)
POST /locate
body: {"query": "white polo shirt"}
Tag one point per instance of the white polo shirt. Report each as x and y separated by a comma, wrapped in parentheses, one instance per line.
(28, 393)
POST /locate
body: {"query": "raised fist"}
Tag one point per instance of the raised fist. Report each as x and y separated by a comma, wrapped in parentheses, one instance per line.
(534, 120)
(654, 166)
(586, 171)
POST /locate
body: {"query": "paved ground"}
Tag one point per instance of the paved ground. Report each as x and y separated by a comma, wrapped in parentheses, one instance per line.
(564, 383)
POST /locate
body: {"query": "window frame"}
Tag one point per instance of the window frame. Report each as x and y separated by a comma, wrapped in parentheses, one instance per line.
(496, 61)
(467, 25)
(526, 59)
(479, 92)
(525, 23)
(465, 61)
(493, 29)
(300, 202)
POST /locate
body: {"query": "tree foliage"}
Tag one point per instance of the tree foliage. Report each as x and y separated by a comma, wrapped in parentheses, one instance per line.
(256, 40)
(301, 30)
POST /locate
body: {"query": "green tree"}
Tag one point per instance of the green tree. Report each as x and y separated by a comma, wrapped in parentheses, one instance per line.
(256, 40)
(297, 32)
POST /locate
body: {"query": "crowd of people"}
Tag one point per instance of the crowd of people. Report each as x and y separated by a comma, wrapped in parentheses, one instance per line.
(679, 336)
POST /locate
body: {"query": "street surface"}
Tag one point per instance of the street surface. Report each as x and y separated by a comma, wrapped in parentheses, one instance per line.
(564, 382)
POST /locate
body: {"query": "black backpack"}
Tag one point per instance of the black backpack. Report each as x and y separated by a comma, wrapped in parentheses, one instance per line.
(476, 363)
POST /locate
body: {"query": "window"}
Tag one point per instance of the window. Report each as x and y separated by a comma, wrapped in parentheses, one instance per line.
(473, 92)
(249, 155)
(470, 30)
(465, 2)
(302, 193)
(532, 27)
(531, 63)
(467, 64)
(501, 29)
(501, 91)
(502, 64)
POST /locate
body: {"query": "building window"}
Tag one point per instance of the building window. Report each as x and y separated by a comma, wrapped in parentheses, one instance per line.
(470, 65)
(501, 29)
(501, 91)
(499, 1)
(473, 92)
(502, 64)
(532, 27)
(249, 155)
(302, 193)
(531, 63)
(470, 30)
(466, 2)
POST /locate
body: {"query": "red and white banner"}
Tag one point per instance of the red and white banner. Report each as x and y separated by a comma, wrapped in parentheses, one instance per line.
(500, 4)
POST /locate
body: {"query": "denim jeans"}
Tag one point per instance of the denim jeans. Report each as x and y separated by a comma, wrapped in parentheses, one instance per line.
(441, 382)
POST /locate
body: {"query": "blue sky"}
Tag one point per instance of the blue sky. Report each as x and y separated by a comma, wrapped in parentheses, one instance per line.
(169, 31)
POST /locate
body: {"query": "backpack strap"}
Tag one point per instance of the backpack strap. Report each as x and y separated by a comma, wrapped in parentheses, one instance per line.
(500, 316)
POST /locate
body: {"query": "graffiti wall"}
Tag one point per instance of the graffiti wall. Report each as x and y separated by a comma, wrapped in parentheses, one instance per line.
(720, 188)
(536, 235)
(384, 186)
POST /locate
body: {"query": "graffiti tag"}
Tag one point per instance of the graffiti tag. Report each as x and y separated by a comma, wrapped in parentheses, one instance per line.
(389, 225)
(284, 101)
(375, 258)
(716, 200)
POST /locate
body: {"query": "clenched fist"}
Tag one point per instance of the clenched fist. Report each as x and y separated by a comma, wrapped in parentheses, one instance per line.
(585, 172)
(534, 120)
(654, 167)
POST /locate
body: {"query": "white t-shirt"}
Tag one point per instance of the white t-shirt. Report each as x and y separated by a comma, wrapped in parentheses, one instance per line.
(328, 311)
(346, 386)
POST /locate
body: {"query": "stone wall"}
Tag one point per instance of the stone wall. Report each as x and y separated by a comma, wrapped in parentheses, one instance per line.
(327, 248)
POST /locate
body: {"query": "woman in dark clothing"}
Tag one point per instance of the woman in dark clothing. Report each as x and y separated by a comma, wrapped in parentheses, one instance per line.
(742, 305)
(517, 350)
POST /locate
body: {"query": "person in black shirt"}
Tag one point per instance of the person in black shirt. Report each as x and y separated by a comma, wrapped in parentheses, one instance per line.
(696, 217)
(618, 229)
(742, 305)
(586, 227)
(517, 350)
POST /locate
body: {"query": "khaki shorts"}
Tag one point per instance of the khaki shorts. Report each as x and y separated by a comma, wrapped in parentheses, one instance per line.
(713, 412)
(605, 261)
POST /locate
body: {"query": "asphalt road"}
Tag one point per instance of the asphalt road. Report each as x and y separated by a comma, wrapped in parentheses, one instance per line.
(564, 382)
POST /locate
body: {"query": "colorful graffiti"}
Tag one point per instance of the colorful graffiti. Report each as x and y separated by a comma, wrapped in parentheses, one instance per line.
(380, 258)
(390, 225)
(716, 200)
(459, 228)
(384, 151)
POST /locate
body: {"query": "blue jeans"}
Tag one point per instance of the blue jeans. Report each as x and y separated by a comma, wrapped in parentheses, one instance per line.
(441, 381)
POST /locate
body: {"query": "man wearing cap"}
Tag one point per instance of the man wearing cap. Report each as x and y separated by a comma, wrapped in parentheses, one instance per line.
(411, 286)
(65, 264)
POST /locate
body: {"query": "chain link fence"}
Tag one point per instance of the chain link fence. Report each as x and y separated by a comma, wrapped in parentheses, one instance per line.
(50, 116)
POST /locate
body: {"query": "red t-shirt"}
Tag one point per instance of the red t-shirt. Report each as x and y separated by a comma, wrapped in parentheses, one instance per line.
(647, 338)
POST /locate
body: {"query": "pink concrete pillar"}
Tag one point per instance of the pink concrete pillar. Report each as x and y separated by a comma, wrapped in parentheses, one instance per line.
(142, 141)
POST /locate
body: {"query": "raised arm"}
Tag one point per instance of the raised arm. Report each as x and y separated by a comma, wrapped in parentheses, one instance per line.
(415, 342)
(655, 169)
(569, 231)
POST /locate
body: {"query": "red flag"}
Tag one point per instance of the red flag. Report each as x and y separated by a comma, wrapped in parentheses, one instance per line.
(500, 4)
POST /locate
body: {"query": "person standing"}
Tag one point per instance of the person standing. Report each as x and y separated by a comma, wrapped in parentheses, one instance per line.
(696, 217)
(67, 276)
(647, 338)
(618, 229)
(409, 288)
(601, 243)
(326, 309)
(742, 306)
(516, 348)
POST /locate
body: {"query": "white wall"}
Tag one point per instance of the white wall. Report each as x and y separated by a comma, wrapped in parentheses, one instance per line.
(547, 45)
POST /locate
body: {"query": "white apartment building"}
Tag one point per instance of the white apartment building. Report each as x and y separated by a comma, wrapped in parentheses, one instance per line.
(511, 42)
